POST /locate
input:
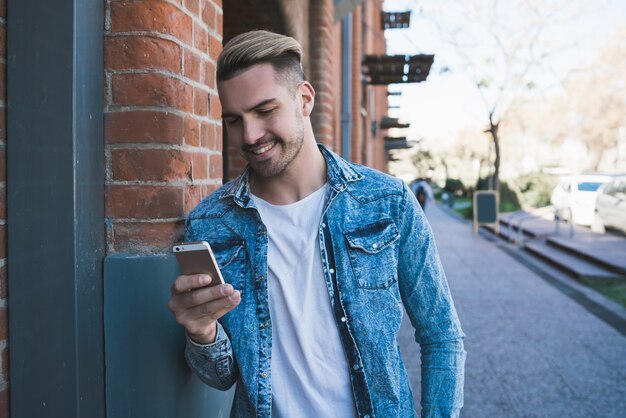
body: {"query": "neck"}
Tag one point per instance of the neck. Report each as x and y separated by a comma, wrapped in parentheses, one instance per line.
(305, 175)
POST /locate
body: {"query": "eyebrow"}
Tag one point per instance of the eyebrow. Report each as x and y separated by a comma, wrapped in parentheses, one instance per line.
(256, 106)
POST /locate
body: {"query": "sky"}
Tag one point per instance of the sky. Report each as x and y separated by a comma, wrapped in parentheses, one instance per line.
(447, 102)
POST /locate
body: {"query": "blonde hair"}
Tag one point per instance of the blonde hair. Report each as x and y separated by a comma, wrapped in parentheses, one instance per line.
(256, 47)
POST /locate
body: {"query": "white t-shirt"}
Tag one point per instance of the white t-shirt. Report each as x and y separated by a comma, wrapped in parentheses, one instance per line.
(310, 376)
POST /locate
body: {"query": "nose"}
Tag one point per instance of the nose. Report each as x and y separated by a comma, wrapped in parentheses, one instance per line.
(252, 131)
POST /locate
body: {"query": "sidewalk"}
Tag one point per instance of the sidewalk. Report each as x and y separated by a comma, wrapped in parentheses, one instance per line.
(532, 350)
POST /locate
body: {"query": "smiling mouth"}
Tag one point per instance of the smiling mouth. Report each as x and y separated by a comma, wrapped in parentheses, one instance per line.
(263, 149)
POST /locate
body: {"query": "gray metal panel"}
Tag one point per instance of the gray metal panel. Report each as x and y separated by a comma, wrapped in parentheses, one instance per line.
(55, 208)
(146, 372)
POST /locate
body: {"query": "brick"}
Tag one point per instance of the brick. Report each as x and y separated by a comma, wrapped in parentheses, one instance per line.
(207, 134)
(3, 281)
(220, 23)
(207, 189)
(193, 6)
(3, 242)
(200, 38)
(209, 74)
(144, 202)
(4, 404)
(192, 132)
(4, 362)
(146, 237)
(3, 203)
(155, 16)
(200, 102)
(215, 107)
(151, 165)
(219, 137)
(216, 166)
(193, 196)
(4, 324)
(3, 42)
(194, 67)
(208, 15)
(143, 127)
(3, 81)
(3, 13)
(215, 47)
(200, 169)
(152, 89)
(3, 123)
(141, 52)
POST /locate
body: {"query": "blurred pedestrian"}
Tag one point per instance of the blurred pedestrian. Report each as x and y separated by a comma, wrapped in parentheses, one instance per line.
(423, 192)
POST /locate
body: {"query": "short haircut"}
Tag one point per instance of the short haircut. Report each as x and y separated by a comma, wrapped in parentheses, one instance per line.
(282, 52)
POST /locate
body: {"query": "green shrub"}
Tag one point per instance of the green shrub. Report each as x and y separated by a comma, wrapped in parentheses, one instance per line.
(454, 186)
(535, 189)
(509, 202)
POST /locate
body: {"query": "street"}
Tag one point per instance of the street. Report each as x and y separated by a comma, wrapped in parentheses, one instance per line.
(532, 350)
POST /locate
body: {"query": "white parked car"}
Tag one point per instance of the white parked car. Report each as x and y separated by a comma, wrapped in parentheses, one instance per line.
(611, 206)
(575, 196)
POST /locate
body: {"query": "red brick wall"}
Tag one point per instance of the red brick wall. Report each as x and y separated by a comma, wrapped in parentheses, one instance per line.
(322, 47)
(162, 118)
(4, 342)
(296, 20)
(356, 148)
(376, 44)
(336, 71)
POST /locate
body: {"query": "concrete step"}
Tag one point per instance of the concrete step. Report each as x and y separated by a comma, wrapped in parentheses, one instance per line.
(568, 262)
(505, 233)
(603, 250)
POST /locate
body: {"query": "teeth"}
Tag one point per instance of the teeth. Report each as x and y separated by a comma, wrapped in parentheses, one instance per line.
(263, 149)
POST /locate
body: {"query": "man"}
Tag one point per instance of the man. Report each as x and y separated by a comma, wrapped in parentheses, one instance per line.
(320, 256)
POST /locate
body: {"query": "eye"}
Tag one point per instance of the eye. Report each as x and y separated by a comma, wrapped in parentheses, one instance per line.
(265, 112)
(231, 121)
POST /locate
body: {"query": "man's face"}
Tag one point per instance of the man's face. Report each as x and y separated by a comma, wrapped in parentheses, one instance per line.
(263, 118)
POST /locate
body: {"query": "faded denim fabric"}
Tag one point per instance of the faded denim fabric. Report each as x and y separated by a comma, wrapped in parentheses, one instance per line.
(378, 255)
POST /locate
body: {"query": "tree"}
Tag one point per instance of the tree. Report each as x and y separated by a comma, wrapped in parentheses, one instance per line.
(597, 99)
(507, 50)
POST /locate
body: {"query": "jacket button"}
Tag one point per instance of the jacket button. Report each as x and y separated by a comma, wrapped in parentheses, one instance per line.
(343, 319)
(355, 367)
(264, 375)
(374, 246)
(332, 271)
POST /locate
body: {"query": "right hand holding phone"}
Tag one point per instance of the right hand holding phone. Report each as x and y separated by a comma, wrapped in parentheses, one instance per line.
(197, 306)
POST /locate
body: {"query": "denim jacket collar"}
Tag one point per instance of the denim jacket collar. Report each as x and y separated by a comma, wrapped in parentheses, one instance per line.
(340, 173)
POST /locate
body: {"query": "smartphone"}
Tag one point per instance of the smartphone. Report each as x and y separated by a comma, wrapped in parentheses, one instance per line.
(197, 258)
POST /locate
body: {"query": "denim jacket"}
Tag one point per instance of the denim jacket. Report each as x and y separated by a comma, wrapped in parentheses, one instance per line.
(378, 256)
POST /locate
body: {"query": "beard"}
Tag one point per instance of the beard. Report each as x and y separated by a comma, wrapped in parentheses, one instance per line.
(289, 150)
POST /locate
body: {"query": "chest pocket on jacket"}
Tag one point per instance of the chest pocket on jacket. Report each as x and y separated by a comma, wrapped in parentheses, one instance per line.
(373, 254)
(231, 259)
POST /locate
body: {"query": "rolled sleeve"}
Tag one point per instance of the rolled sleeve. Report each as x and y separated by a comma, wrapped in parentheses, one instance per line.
(213, 363)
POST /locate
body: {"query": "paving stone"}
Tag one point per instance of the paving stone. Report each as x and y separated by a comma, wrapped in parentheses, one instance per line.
(532, 350)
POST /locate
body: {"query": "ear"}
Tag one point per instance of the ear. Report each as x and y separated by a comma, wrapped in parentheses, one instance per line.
(307, 96)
